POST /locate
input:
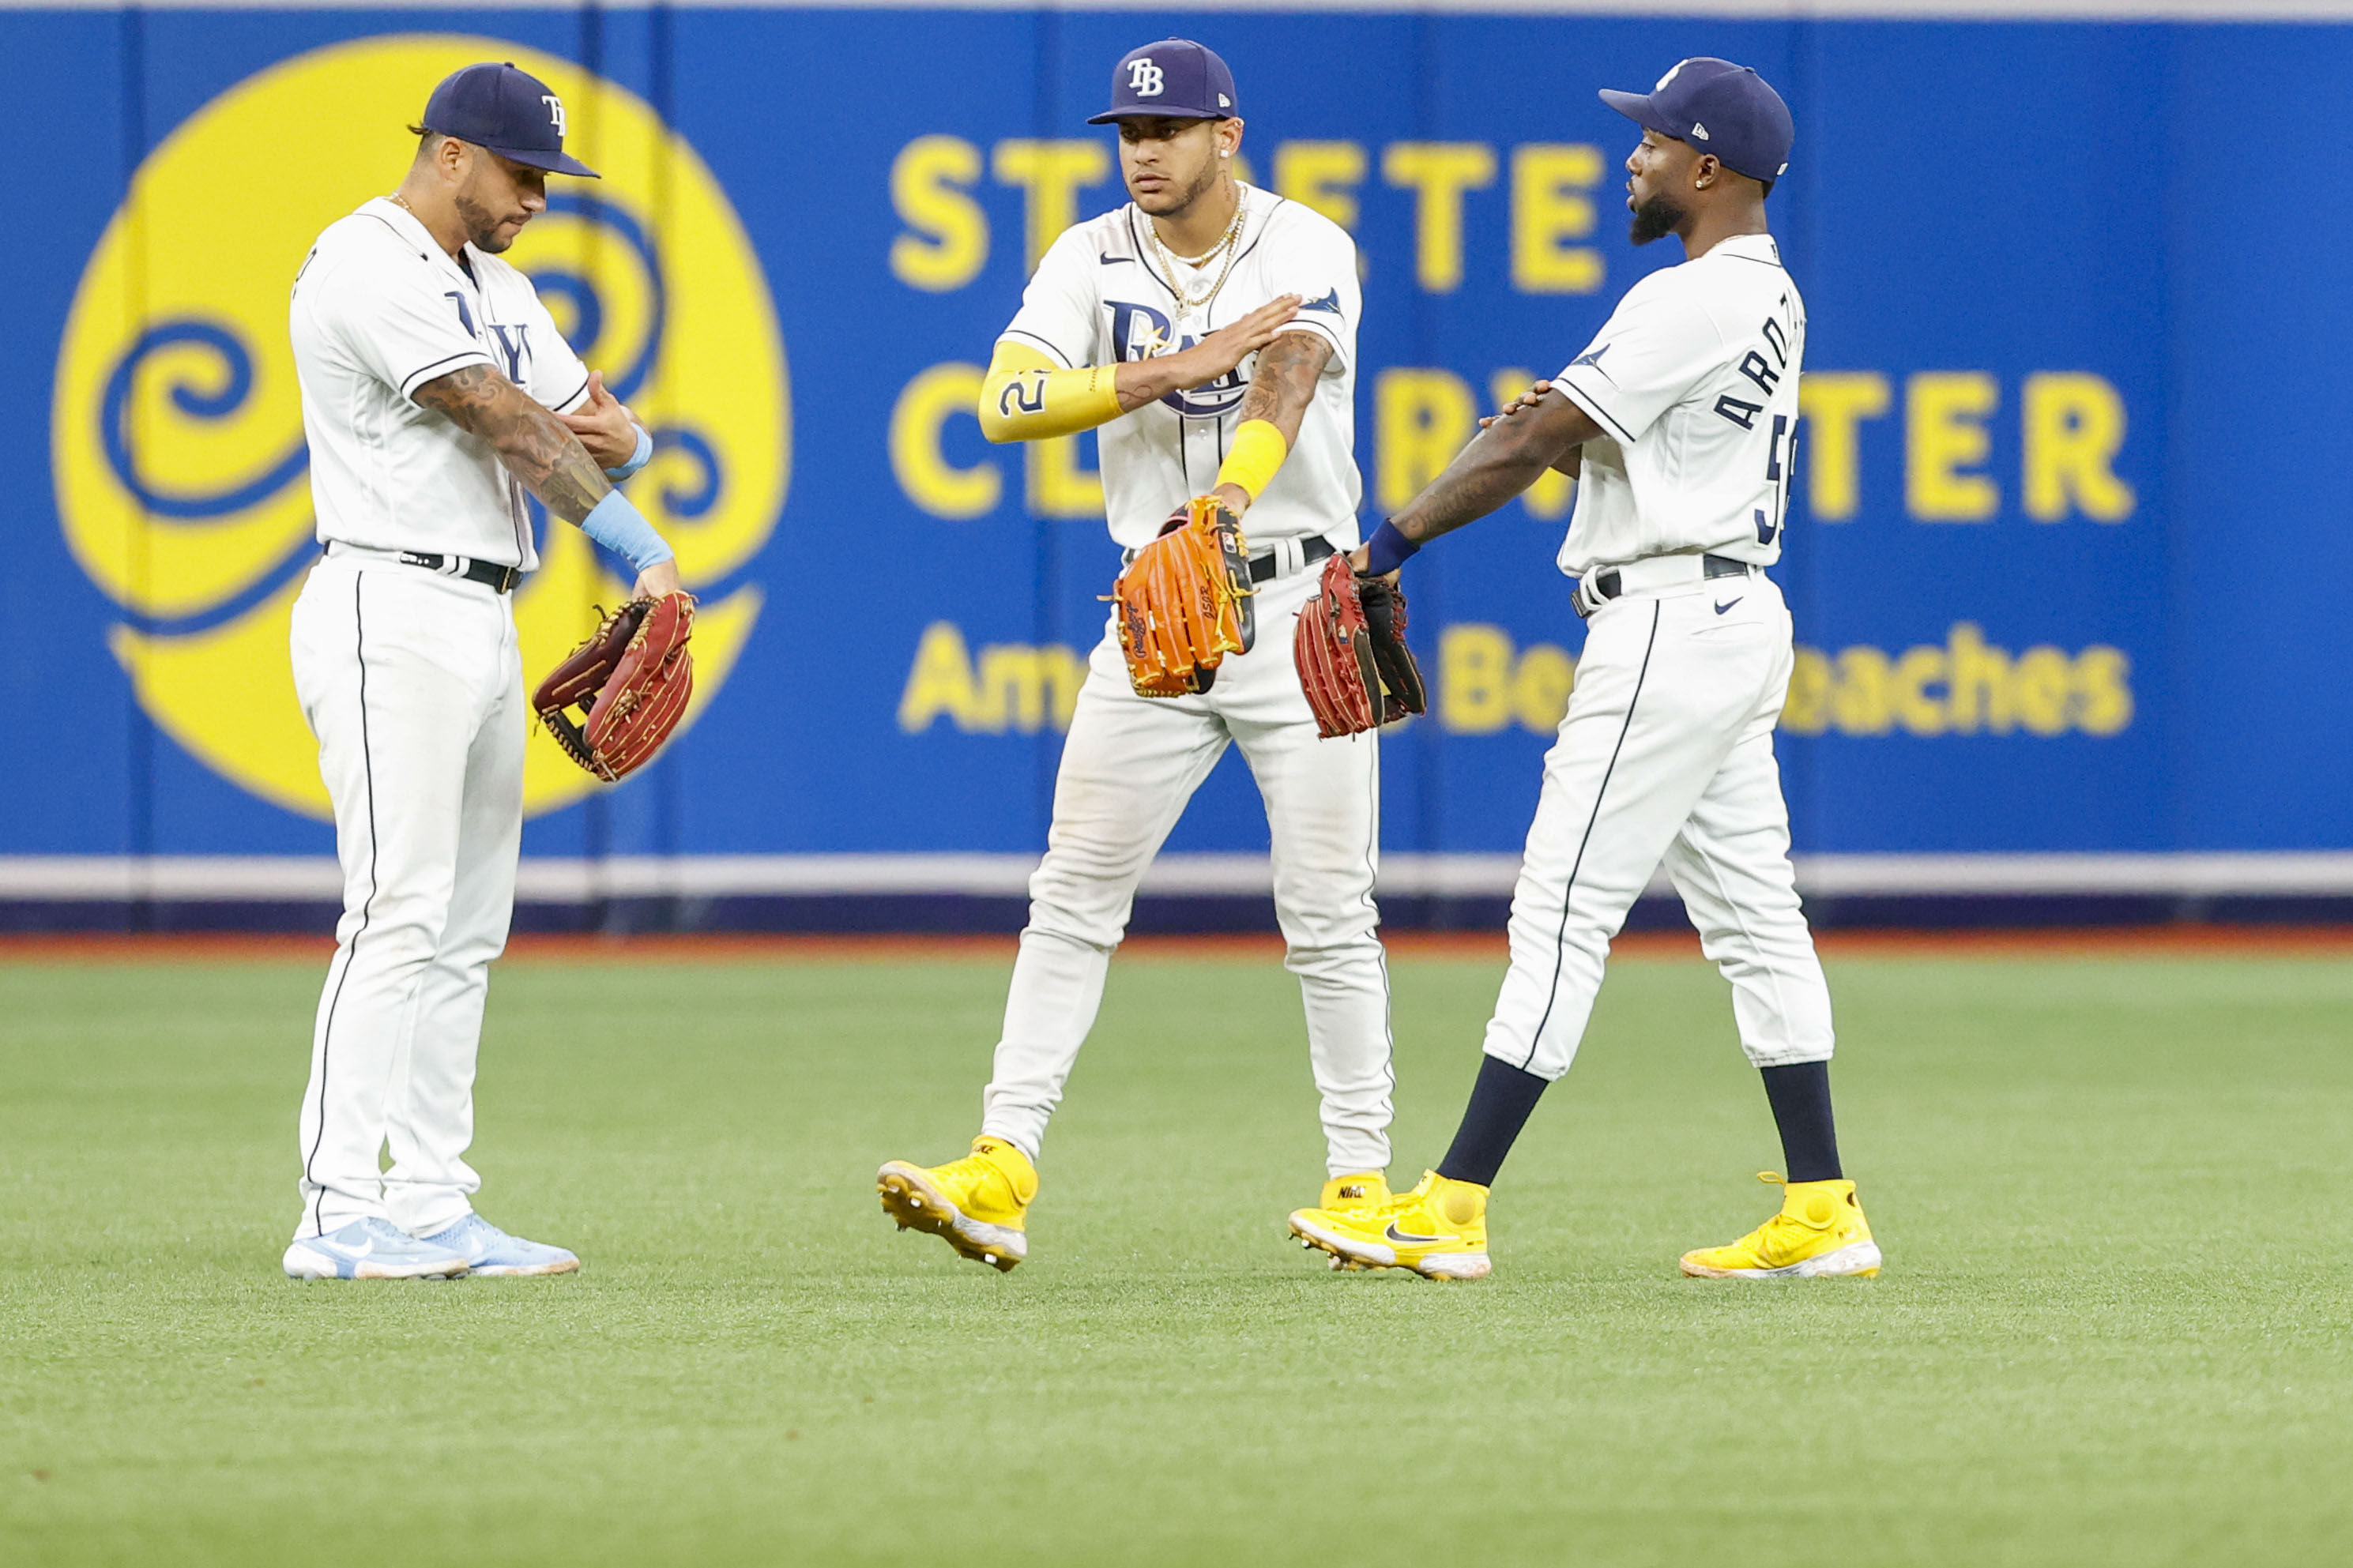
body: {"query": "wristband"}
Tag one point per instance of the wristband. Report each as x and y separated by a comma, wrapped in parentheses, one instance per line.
(1250, 462)
(618, 525)
(1387, 551)
(638, 460)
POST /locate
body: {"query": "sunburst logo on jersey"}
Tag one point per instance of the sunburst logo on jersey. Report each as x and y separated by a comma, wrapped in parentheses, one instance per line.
(183, 484)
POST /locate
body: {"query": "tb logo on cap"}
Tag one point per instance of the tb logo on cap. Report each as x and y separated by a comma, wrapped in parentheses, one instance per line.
(1145, 80)
(555, 110)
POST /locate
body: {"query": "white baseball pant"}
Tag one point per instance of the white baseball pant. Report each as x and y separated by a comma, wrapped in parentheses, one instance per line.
(1128, 768)
(1666, 752)
(412, 684)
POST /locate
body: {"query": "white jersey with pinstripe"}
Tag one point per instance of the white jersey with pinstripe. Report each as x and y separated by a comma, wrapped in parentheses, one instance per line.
(379, 309)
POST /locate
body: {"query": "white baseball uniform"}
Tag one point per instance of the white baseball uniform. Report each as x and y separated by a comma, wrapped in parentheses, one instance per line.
(1103, 295)
(1667, 748)
(412, 681)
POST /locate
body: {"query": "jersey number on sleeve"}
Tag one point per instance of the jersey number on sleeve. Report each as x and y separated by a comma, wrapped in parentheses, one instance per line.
(1025, 393)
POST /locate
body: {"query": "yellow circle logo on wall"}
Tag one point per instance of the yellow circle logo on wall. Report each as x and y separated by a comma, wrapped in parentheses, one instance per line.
(183, 485)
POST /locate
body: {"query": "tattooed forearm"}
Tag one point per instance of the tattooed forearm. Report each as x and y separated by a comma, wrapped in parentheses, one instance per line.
(532, 442)
(1284, 382)
(1506, 458)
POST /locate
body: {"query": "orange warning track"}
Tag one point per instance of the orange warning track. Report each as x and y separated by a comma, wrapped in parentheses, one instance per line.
(2121, 942)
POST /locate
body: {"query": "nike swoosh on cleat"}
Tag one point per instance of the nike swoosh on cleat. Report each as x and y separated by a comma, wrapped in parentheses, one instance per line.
(1406, 1238)
(1726, 606)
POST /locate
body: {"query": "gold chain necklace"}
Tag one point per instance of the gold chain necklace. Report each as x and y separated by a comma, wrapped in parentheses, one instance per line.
(1229, 243)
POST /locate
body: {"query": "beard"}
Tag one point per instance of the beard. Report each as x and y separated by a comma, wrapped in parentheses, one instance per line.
(1173, 203)
(481, 228)
(1656, 219)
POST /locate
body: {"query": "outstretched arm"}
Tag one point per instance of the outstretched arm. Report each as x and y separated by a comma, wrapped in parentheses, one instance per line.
(1024, 397)
(1150, 380)
(550, 463)
(1503, 460)
(1571, 462)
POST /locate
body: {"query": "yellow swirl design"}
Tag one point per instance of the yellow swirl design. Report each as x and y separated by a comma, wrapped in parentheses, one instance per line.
(177, 448)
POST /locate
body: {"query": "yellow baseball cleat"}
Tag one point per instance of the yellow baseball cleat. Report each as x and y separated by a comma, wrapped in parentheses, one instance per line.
(1819, 1232)
(1364, 1190)
(977, 1205)
(1438, 1230)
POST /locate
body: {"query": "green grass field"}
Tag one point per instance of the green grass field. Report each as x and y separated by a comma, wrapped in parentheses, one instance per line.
(2116, 1325)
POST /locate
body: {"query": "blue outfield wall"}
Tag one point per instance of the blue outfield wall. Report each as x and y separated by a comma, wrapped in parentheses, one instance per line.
(2070, 557)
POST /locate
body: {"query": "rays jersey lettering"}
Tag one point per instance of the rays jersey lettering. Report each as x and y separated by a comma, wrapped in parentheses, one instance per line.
(512, 343)
(1096, 299)
(514, 349)
(1694, 381)
(1141, 332)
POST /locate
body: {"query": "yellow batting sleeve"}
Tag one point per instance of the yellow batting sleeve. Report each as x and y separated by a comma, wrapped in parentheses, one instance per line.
(1025, 398)
(1250, 462)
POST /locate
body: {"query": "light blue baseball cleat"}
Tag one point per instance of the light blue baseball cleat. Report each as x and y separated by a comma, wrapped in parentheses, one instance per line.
(491, 1250)
(372, 1250)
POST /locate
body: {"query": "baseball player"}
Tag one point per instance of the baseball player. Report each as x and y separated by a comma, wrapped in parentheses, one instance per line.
(1207, 329)
(428, 370)
(1682, 409)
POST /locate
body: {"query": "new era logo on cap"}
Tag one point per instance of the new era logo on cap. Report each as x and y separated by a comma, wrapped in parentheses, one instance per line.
(1175, 79)
(1729, 108)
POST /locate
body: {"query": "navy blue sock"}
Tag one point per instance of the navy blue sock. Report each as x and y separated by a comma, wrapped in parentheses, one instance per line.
(1500, 1103)
(1800, 1094)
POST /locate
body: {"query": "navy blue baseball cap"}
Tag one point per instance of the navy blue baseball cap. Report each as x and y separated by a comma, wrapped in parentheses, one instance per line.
(511, 111)
(1175, 79)
(1718, 108)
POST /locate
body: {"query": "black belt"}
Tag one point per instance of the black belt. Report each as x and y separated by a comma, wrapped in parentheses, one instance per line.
(487, 572)
(1606, 586)
(1262, 567)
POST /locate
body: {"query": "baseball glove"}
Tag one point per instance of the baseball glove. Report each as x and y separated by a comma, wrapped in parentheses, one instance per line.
(631, 679)
(1184, 601)
(1353, 661)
